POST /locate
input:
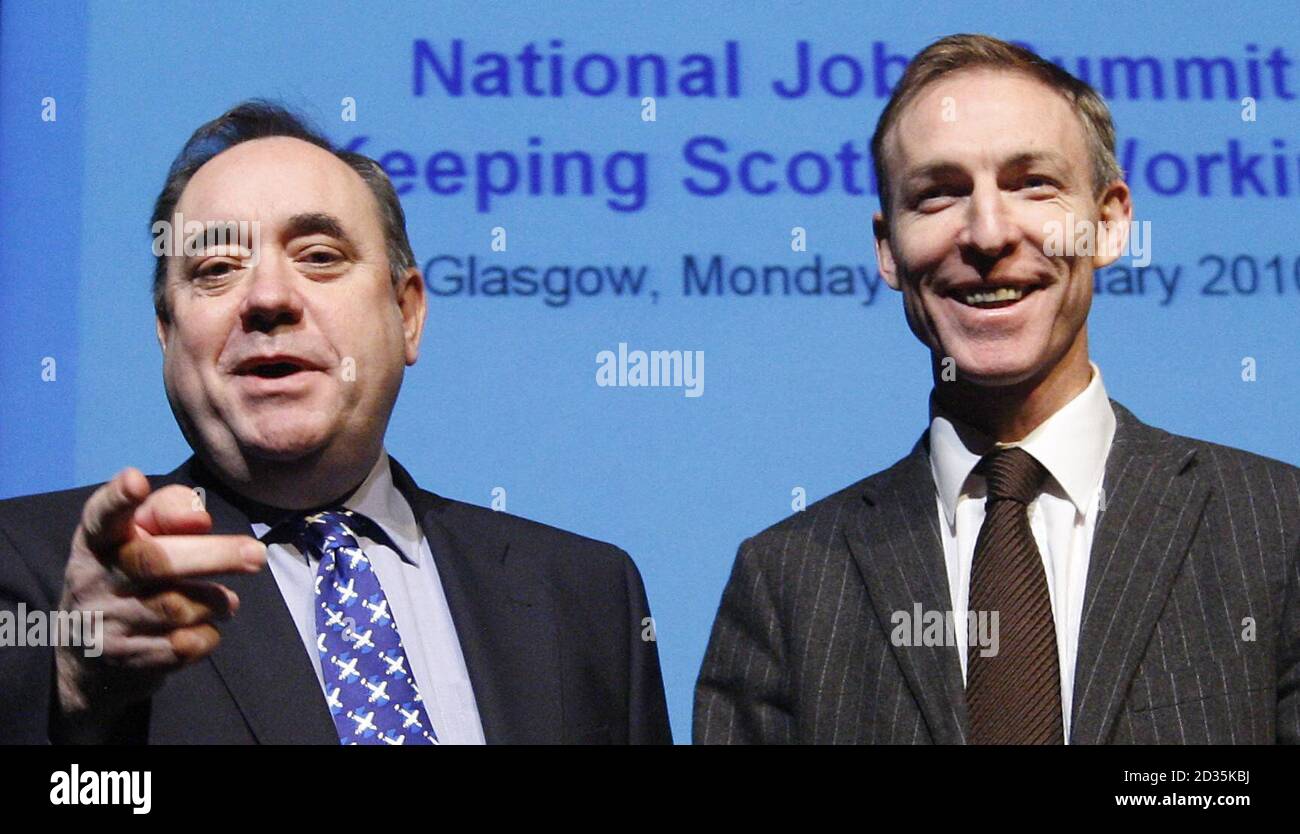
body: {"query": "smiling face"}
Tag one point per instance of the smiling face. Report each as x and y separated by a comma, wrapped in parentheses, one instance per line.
(294, 356)
(981, 164)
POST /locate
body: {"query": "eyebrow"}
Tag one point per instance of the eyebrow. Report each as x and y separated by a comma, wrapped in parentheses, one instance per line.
(939, 170)
(299, 225)
(1021, 160)
(316, 223)
(215, 231)
(932, 170)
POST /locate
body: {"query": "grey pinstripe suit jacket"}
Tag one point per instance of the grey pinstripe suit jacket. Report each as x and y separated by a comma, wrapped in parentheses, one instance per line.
(1195, 538)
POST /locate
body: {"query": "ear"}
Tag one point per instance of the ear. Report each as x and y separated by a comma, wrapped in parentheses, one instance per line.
(161, 330)
(1114, 214)
(412, 302)
(884, 251)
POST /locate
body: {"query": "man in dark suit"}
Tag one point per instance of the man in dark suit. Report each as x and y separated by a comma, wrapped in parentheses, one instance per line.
(290, 583)
(1042, 567)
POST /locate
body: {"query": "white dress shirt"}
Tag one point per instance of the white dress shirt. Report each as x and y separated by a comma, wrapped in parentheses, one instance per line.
(1072, 445)
(415, 596)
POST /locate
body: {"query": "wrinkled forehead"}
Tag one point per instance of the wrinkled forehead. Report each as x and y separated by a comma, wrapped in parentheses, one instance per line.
(982, 117)
(275, 179)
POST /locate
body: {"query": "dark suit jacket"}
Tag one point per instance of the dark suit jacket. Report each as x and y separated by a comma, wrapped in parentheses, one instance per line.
(1194, 539)
(550, 624)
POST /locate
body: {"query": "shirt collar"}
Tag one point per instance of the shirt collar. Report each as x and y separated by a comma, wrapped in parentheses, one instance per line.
(1072, 445)
(379, 500)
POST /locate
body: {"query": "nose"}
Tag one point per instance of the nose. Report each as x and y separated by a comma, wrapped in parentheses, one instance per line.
(989, 230)
(272, 300)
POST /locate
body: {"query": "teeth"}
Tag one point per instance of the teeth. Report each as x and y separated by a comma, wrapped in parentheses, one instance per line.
(993, 296)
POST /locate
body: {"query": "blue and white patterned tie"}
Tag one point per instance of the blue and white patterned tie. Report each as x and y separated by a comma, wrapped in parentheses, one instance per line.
(369, 686)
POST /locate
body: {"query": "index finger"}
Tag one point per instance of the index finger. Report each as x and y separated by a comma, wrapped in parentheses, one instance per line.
(106, 519)
(174, 510)
(149, 558)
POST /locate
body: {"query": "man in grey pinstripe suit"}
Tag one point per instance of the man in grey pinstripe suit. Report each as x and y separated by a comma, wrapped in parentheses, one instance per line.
(1167, 568)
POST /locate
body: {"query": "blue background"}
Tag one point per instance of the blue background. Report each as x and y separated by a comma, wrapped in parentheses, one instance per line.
(799, 392)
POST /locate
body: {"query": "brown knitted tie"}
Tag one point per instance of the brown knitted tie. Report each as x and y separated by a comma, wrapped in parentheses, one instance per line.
(1013, 697)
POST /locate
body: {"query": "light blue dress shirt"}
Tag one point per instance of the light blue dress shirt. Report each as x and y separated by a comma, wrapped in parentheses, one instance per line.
(415, 596)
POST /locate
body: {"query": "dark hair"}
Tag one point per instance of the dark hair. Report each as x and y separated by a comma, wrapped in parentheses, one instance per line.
(261, 119)
(960, 52)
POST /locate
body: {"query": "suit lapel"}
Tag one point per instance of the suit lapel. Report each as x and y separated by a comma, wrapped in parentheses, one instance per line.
(1153, 504)
(261, 658)
(897, 547)
(502, 616)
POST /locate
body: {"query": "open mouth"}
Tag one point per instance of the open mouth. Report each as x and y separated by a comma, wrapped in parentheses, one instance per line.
(275, 370)
(273, 367)
(989, 298)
